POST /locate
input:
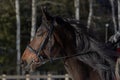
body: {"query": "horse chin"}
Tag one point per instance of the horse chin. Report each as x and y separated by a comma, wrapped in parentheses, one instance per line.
(33, 67)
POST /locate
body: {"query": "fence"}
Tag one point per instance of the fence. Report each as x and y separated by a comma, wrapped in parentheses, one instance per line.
(34, 77)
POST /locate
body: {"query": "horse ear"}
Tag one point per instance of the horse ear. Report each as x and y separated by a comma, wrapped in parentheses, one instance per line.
(45, 14)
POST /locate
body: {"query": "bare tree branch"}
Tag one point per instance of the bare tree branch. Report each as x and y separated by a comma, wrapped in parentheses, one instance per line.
(12, 4)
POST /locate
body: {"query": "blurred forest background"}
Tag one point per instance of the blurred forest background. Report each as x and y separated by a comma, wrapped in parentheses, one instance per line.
(101, 19)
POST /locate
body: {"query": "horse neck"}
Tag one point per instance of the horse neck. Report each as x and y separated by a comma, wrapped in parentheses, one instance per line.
(76, 69)
(80, 71)
(72, 65)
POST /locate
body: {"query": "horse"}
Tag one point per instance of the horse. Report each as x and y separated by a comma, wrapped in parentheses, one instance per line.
(56, 39)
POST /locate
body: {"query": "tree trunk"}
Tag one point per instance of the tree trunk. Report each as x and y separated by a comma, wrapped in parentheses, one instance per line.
(18, 35)
(90, 13)
(113, 16)
(77, 9)
(119, 15)
(33, 26)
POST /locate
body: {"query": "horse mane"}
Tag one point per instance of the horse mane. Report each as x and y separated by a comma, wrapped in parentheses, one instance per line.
(97, 56)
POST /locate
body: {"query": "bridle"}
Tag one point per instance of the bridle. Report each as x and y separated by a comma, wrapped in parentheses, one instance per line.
(42, 46)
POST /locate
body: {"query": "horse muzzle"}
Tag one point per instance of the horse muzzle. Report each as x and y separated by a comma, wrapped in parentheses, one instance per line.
(29, 66)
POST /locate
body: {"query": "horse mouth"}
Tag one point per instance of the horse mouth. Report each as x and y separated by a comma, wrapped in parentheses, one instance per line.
(30, 67)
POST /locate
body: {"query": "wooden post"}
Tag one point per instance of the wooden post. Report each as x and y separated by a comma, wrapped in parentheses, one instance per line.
(49, 76)
(66, 77)
(3, 77)
(27, 77)
(106, 32)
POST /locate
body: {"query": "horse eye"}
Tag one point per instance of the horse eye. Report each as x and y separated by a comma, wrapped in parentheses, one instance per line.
(40, 33)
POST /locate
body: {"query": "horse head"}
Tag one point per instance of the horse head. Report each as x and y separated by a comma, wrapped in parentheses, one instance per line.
(46, 44)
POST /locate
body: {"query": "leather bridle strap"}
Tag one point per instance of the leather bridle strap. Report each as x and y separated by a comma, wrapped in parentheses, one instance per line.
(43, 44)
(35, 52)
(67, 57)
(55, 59)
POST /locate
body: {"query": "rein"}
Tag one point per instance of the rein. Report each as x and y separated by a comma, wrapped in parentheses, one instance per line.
(43, 61)
(58, 58)
(66, 57)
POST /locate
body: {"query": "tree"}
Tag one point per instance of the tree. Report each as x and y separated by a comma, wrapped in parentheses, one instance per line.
(119, 15)
(33, 27)
(18, 35)
(77, 9)
(113, 15)
(90, 13)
